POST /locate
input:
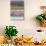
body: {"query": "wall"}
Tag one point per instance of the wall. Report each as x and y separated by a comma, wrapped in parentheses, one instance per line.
(27, 26)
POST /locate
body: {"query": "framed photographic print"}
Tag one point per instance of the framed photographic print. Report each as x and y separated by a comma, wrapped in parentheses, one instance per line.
(17, 10)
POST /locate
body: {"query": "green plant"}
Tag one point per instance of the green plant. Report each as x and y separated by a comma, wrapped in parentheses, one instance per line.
(41, 17)
(11, 31)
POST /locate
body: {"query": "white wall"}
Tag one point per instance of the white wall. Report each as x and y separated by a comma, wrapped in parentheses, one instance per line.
(29, 24)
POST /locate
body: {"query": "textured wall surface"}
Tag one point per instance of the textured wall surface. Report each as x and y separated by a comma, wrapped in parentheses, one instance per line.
(29, 25)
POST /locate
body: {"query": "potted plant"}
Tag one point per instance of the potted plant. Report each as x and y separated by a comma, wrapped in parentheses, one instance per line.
(42, 19)
(42, 16)
(10, 31)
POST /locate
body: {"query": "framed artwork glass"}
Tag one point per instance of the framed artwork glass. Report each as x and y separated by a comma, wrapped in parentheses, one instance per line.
(17, 10)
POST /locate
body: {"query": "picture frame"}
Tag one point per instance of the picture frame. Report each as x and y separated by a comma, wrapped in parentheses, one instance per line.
(17, 10)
